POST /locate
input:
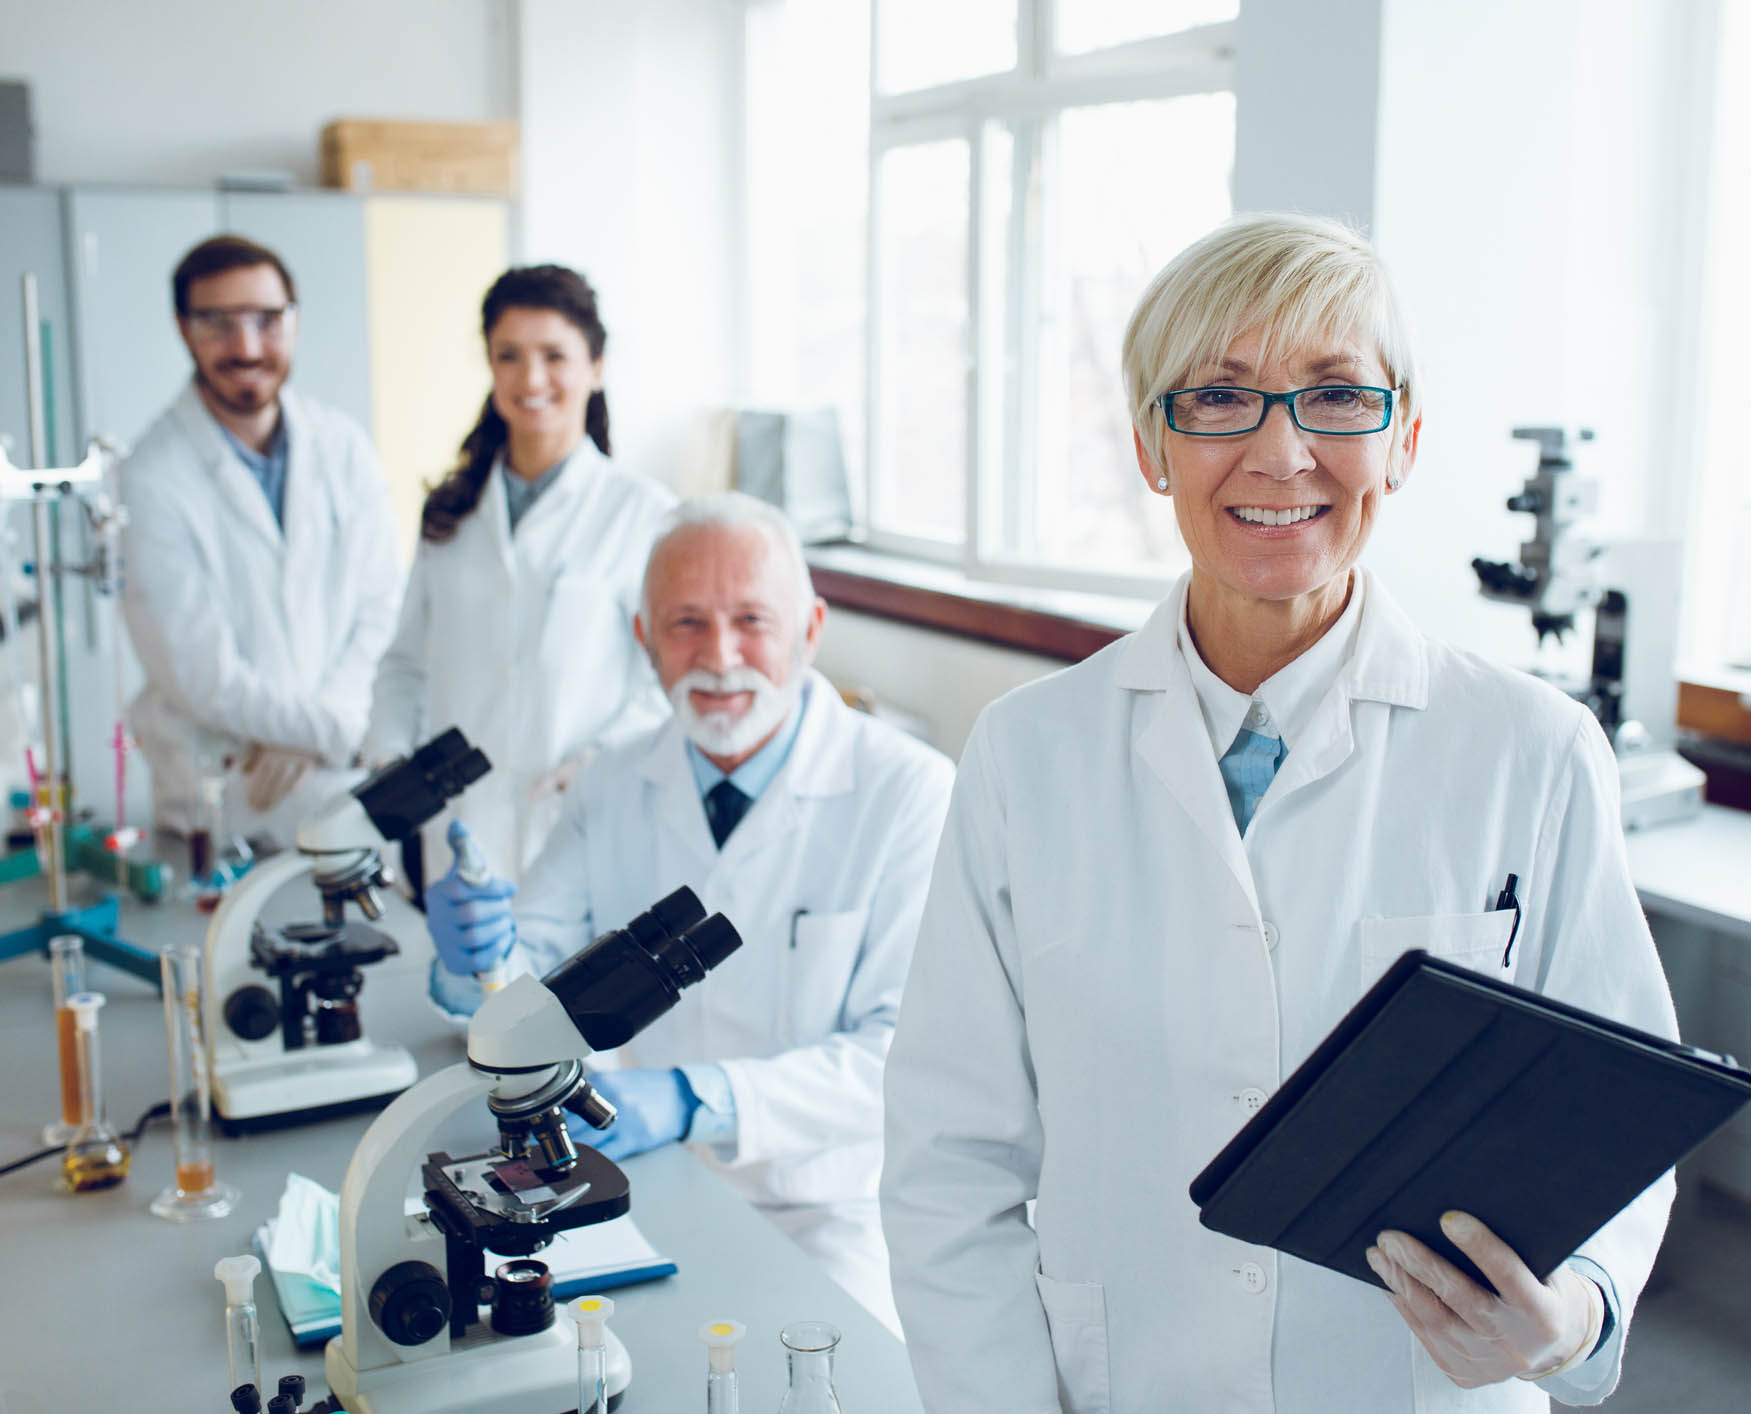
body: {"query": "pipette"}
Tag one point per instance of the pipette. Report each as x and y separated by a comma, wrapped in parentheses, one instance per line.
(473, 870)
(592, 1313)
(242, 1330)
(722, 1391)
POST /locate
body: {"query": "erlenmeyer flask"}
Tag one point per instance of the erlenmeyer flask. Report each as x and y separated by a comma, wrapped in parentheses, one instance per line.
(810, 1346)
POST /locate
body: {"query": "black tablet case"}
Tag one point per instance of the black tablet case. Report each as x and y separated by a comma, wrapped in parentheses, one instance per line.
(1443, 1089)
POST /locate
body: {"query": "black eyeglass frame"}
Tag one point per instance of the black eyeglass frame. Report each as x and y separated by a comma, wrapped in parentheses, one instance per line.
(1165, 403)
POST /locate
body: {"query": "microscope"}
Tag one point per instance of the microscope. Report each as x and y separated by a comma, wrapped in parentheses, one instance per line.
(1557, 577)
(281, 1011)
(413, 1278)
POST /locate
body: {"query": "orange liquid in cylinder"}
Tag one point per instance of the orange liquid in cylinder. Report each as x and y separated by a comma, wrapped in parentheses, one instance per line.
(72, 1111)
(194, 1178)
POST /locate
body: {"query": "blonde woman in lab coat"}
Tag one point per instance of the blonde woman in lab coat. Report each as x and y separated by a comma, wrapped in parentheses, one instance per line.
(517, 621)
(1168, 871)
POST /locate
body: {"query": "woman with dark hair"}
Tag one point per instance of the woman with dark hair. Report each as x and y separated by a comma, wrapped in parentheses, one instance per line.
(517, 622)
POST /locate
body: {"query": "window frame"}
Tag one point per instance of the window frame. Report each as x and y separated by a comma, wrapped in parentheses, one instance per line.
(1042, 85)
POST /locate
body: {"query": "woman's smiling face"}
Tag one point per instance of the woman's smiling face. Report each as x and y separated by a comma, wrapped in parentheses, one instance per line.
(1228, 492)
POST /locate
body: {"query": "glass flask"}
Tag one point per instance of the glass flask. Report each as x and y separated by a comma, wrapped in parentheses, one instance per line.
(810, 1346)
(96, 1157)
(67, 961)
(196, 1192)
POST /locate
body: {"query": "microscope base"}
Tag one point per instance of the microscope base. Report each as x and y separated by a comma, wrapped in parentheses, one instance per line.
(483, 1373)
(296, 1086)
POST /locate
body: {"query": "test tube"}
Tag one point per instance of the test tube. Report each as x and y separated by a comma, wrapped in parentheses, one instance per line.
(473, 870)
(722, 1392)
(242, 1330)
(592, 1313)
(67, 961)
(195, 1193)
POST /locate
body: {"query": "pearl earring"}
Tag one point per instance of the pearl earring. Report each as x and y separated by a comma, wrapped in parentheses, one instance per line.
(1394, 482)
(1161, 483)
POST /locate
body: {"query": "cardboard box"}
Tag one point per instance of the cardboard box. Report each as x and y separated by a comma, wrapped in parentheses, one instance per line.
(368, 154)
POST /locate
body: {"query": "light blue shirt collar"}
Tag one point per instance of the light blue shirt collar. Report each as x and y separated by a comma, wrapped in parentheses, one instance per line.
(757, 772)
(268, 467)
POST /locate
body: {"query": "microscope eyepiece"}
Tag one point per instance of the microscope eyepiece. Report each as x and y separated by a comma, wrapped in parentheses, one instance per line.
(626, 979)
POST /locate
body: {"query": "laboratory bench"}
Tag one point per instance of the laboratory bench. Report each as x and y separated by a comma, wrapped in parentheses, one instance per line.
(107, 1307)
(1697, 870)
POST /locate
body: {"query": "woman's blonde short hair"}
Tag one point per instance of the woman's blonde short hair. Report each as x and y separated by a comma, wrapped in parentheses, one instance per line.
(1302, 280)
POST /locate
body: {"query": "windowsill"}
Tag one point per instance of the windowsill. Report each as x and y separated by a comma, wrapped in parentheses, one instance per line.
(1066, 625)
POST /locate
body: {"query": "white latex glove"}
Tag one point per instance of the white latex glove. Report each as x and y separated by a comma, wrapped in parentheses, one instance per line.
(271, 773)
(1474, 1335)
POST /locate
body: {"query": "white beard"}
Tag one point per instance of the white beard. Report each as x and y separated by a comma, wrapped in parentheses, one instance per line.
(722, 733)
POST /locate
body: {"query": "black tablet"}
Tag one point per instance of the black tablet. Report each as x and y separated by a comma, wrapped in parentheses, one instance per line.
(1443, 1088)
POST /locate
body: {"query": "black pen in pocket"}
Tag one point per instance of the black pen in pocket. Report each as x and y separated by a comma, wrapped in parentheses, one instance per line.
(1505, 899)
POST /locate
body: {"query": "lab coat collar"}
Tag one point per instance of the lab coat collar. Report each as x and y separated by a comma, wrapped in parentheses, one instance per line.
(819, 765)
(234, 480)
(556, 507)
(1390, 662)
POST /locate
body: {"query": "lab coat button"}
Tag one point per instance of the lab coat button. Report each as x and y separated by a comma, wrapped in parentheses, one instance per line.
(1257, 716)
(1252, 1098)
(1270, 931)
(1252, 1277)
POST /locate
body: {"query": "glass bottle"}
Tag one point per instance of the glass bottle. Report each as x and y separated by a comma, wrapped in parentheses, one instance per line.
(722, 1389)
(96, 1157)
(67, 960)
(196, 1192)
(810, 1346)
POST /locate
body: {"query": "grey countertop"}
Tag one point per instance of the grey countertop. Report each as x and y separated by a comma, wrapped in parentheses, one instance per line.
(106, 1307)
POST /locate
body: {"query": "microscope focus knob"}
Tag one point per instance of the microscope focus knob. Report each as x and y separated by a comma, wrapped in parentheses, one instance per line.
(411, 1302)
(252, 1013)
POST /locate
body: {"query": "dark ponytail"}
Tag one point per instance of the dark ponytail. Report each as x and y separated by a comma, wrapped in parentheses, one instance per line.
(553, 287)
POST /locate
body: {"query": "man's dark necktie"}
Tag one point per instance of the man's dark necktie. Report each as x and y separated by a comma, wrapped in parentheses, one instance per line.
(725, 804)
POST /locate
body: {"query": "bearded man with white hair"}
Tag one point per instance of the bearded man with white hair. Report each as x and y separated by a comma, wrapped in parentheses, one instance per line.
(810, 826)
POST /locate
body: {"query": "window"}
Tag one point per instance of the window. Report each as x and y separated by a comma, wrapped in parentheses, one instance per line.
(1032, 165)
(1024, 168)
(1719, 581)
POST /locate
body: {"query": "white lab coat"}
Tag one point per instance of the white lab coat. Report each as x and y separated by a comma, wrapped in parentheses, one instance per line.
(249, 633)
(1109, 981)
(824, 879)
(525, 642)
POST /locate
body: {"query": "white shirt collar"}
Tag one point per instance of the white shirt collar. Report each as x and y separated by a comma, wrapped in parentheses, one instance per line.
(1285, 701)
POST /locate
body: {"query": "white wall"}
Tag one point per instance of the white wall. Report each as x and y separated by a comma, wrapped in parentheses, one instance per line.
(159, 93)
(632, 119)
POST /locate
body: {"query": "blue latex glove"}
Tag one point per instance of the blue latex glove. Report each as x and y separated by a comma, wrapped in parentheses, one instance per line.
(470, 923)
(656, 1107)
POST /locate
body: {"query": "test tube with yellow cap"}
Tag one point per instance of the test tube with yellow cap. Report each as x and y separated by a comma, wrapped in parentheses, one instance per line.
(722, 1390)
(592, 1313)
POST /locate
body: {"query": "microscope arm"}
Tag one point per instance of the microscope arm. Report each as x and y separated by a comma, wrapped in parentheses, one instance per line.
(373, 1216)
(225, 964)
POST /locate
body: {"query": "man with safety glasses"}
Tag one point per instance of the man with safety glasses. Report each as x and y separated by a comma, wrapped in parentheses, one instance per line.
(261, 565)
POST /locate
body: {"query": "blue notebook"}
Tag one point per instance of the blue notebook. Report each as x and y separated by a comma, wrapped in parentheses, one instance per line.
(584, 1259)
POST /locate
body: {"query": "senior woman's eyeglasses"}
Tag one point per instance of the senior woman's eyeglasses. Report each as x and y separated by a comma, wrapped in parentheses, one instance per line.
(1333, 410)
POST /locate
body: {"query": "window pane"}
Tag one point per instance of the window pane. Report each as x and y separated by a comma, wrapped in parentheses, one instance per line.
(1136, 183)
(922, 43)
(1096, 24)
(920, 478)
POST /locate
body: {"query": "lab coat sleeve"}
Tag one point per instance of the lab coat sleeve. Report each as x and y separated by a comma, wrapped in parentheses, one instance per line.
(964, 1139)
(398, 697)
(1592, 949)
(188, 651)
(346, 688)
(829, 1094)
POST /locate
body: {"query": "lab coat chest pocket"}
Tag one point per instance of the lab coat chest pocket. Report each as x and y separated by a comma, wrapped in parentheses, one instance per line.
(821, 953)
(1475, 940)
(1076, 1316)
